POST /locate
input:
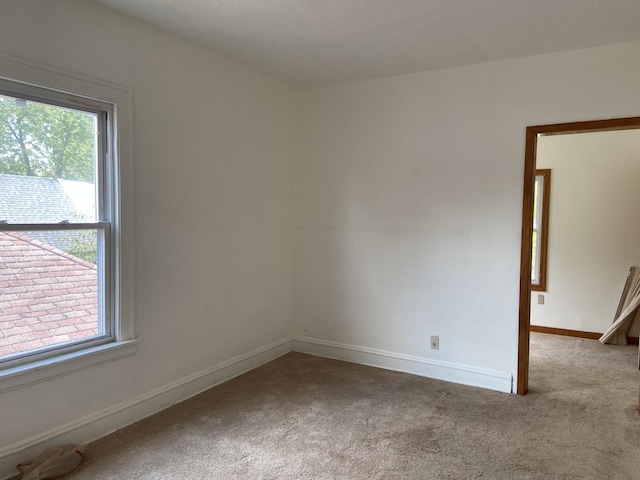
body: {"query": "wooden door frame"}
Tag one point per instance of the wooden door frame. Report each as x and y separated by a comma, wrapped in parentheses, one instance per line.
(531, 143)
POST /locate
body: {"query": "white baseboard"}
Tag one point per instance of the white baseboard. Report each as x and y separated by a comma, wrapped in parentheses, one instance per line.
(426, 367)
(99, 424)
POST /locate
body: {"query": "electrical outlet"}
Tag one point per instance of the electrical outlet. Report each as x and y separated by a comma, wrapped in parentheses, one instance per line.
(435, 342)
(540, 299)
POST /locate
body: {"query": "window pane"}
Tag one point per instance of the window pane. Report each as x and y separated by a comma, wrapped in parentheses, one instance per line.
(48, 163)
(47, 296)
(534, 258)
(536, 202)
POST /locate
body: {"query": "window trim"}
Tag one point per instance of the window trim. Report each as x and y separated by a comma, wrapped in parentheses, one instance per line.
(69, 85)
(543, 230)
(19, 376)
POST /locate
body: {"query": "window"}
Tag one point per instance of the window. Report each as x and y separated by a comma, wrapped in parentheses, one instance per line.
(542, 187)
(62, 289)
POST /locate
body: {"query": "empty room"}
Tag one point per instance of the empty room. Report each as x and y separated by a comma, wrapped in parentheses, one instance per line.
(288, 239)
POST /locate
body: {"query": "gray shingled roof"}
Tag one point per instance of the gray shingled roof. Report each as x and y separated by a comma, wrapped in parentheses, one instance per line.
(26, 199)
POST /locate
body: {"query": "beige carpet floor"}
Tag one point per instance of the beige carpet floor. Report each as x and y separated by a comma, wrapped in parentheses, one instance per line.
(305, 417)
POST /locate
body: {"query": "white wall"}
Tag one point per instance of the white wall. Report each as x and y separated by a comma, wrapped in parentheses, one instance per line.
(594, 230)
(212, 207)
(408, 194)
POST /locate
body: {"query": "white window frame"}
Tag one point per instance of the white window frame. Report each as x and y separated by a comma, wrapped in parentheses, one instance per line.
(32, 81)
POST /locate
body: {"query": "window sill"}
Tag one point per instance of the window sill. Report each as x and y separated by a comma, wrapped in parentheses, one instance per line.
(51, 368)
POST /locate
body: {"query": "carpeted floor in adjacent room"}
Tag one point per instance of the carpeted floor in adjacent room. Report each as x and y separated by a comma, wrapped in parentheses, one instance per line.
(305, 417)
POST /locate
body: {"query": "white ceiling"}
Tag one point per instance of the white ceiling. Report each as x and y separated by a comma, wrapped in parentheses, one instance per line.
(319, 42)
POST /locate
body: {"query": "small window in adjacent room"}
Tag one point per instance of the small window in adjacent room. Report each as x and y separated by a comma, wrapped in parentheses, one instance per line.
(542, 188)
(58, 206)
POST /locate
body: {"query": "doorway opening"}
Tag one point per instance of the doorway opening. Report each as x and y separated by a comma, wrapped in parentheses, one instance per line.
(531, 143)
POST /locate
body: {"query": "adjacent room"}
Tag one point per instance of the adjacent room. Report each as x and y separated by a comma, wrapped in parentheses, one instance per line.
(592, 228)
(284, 239)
